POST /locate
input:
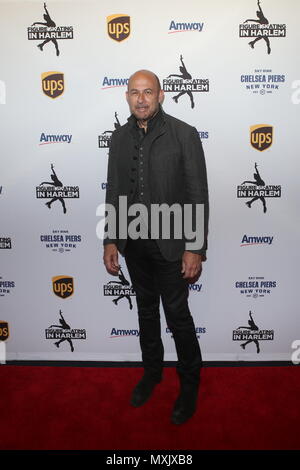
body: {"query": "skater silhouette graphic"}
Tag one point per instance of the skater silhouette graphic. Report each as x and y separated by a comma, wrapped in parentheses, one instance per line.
(253, 327)
(123, 282)
(117, 123)
(64, 326)
(261, 20)
(50, 24)
(185, 76)
(258, 182)
(58, 184)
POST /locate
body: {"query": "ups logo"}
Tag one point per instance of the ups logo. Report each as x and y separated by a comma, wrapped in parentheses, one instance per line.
(53, 84)
(63, 286)
(261, 136)
(4, 331)
(118, 27)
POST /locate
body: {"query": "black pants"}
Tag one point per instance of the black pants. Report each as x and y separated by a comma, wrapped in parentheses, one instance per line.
(153, 278)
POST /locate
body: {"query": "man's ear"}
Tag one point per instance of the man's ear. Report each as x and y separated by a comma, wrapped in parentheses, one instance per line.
(161, 96)
(126, 94)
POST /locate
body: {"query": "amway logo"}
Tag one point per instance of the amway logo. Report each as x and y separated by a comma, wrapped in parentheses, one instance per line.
(195, 287)
(114, 82)
(54, 138)
(246, 241)
(184, 27)
(119, 333)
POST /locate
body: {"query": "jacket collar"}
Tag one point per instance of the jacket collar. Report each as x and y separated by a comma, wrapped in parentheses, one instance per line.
(156, 122)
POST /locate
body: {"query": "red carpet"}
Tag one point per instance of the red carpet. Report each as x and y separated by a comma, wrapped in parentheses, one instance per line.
(87, 408)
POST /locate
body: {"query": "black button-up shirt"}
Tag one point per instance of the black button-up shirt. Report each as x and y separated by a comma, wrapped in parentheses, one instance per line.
(140, 163)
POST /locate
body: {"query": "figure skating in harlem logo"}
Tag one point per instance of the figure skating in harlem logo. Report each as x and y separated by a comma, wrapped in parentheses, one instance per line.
(63, 332)
(122, 289)
(252, 334)
(185, 75)
(47, 31)
(58, 193)
(260, 28)
(5, 243)
(105, 138)
(258, 182)
(184, 84)
(257, 190)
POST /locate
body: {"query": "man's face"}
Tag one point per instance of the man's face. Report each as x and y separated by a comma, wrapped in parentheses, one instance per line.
(143, 96)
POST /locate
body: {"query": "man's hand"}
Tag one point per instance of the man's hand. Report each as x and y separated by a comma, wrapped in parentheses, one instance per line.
(110, 258)
(191, 266)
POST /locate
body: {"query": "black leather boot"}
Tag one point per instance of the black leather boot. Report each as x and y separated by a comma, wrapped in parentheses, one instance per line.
(185, 405)
(143, 391)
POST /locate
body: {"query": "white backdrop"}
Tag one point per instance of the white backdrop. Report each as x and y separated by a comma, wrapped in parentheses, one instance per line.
(246, 244)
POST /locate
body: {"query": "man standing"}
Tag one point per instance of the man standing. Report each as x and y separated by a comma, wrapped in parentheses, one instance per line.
(157, 159)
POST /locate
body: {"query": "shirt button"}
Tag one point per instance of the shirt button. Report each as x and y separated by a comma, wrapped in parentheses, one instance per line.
(142, 194)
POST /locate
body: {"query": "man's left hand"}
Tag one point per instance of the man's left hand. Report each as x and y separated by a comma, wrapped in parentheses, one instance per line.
(191, 266)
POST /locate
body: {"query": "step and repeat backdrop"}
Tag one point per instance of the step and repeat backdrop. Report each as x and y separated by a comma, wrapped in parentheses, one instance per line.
(231, 69)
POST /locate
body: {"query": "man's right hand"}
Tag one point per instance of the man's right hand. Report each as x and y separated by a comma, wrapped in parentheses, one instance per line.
(110, 258)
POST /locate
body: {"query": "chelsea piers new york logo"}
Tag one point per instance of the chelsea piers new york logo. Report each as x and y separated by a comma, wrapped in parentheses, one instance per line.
(6, 286)
(60, 241)
(262, 81)
(259, 28)
(47, 32)
(184, 84)
(256, 286)
(118, 27)
(257, 190)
